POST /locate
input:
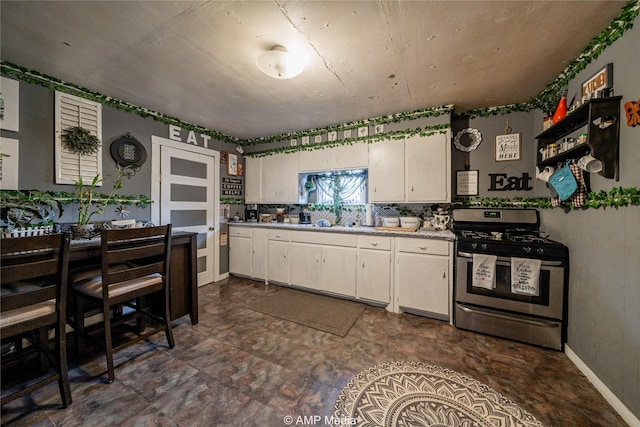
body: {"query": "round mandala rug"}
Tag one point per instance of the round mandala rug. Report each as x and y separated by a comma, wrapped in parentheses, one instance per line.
(403, 394)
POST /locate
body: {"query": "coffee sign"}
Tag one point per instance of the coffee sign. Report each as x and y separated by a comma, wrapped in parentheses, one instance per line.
(231, 186)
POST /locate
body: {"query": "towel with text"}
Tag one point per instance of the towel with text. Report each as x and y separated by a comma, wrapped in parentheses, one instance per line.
(484, 271)
(525, 276)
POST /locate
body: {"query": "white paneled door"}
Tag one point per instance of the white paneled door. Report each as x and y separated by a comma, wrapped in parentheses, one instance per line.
(188, 200)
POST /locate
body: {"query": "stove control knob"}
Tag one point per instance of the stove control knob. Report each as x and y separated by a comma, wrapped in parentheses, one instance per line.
(483, 247)
(540, 251)
(527, 249)
(474, 246)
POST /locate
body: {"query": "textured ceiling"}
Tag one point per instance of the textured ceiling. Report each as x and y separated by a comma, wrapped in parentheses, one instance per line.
(195, 60)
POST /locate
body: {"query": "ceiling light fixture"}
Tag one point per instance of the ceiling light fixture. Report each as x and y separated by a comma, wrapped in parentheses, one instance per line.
(281, 63)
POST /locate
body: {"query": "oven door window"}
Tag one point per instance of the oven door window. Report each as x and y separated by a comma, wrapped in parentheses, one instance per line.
(503, 286)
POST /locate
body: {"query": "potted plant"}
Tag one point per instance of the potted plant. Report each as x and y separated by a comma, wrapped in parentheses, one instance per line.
(20, 208)
(90, 202)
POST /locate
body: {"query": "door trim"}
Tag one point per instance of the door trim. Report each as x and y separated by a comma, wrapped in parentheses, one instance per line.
(156, 143)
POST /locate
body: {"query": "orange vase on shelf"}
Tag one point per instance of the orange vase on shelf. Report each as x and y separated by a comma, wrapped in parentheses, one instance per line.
(561, 110)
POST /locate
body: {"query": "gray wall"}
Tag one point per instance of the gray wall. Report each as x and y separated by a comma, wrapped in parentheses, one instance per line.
(604, 295)
(604, 245)
(37, 152)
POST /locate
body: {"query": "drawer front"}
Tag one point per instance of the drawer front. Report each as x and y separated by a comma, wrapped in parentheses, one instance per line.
(374, 242)
(322, 238)
(280, 235)
(423, 246)
(239, 231)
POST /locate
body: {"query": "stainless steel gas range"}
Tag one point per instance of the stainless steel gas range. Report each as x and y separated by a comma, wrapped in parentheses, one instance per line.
(510, 281)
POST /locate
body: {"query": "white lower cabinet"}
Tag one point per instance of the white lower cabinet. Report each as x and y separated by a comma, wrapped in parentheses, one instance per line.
(423, 276)
(240, 251)
(304, 265)
(324, 262)
(373, 269)
(259, 254)
(338, 272)
(278, 247)
(404, 273)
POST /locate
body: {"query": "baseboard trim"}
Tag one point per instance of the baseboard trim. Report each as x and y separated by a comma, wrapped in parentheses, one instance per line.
(613, 400)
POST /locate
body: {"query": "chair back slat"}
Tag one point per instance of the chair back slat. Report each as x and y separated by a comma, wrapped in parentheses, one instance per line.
(145, 251)
(135, 272)
(33, 269)
(132, 253)
(29, 270)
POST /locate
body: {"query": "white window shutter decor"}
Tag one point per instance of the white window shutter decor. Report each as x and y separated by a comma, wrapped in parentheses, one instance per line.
(74, 111)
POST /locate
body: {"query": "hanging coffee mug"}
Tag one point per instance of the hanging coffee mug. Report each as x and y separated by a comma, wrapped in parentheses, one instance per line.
(590, 164)
(545, 174)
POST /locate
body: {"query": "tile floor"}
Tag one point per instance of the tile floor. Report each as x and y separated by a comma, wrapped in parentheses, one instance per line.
(238, 367)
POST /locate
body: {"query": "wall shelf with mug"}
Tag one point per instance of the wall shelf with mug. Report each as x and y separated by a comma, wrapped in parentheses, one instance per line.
(601, 117)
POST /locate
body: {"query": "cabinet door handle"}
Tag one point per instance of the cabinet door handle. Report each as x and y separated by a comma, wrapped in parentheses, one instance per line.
(444, 274)
(277, 236)
(412, 188)
(317, 259)
(362, 264)
(423, 248)
(374, 244)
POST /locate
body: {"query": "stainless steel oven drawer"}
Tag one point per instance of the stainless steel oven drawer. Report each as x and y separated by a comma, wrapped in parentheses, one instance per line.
(542, 332)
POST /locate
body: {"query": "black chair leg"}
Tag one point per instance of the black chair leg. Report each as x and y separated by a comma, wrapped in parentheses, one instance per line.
(108, 342)
(78, 325)
(61, 352)
(42, 344)
(167, 319)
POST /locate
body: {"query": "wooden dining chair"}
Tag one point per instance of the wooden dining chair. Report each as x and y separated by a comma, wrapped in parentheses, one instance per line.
(135, 263)
(33, 299)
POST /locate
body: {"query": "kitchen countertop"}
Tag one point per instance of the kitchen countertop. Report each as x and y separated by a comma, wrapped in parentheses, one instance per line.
(420, 233)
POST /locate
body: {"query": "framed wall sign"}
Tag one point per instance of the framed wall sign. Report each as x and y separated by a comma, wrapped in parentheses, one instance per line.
(232, 164)
(9, 118)
(467, 183)
(600, 81)
(508, 147)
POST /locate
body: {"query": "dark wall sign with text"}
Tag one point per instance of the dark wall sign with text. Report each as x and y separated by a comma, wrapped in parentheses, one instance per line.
(232, 187)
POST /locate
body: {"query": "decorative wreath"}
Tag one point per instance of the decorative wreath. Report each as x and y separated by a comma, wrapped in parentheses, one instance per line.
(79, 140)
(474, 134)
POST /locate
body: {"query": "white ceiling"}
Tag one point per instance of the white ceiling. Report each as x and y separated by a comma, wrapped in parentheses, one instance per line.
(195, 60)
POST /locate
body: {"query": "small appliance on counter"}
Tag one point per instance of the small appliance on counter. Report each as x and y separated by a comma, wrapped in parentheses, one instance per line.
(304, 218)
(251, 215)
(280, 215)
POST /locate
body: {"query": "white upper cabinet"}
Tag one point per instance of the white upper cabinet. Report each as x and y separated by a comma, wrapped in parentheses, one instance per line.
(428, 168)
(315, 160)
(350, 156)
(414, 170)
(336, 158)
(386, 171)
(280, 178)
(252, 180)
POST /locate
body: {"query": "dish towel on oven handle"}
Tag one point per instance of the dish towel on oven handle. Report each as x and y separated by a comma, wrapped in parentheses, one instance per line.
(484, 271)
(525, 276)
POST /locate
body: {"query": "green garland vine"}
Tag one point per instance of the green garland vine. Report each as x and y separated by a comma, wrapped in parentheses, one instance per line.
(65, 198)
(442, 128)
(545, 101)
(617, 197)
(392, 118)
(548, 99)
(52, 83)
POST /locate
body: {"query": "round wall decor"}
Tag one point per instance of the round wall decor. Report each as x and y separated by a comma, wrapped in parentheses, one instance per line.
(467, 139)
(128, 151)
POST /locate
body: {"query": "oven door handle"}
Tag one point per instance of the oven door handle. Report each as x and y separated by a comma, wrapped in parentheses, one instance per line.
(535, 322)
(507, 260)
